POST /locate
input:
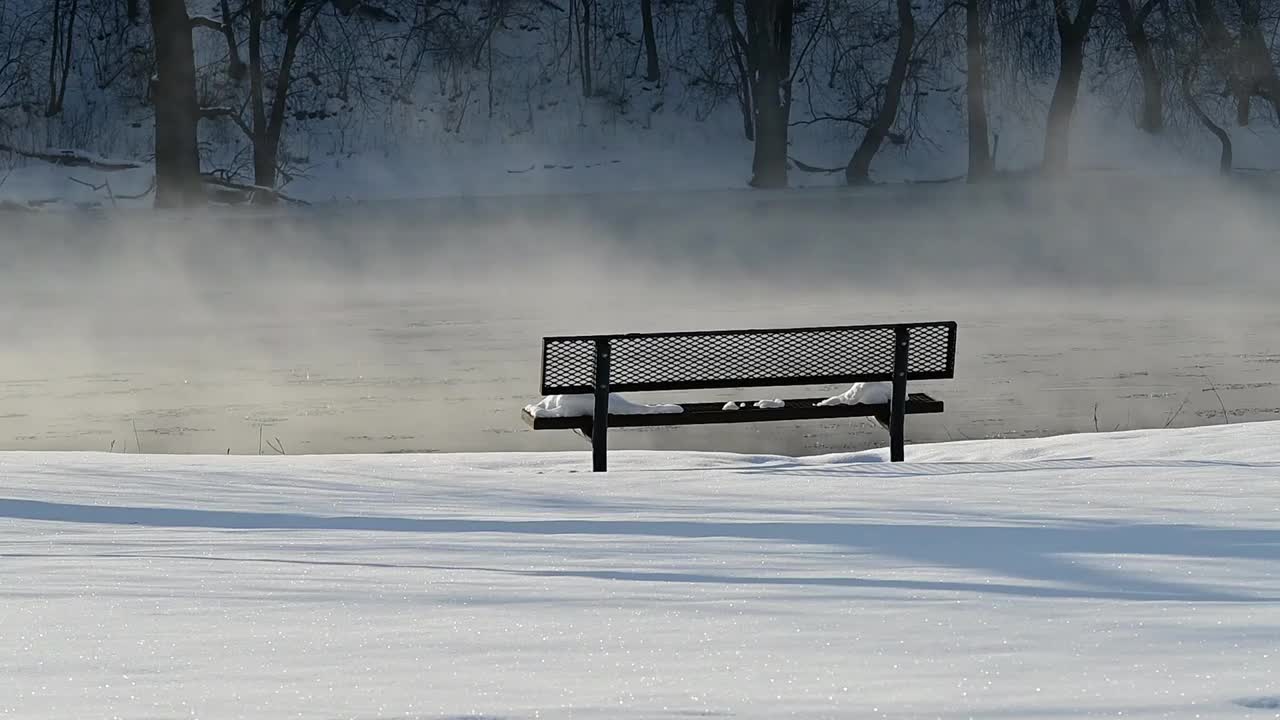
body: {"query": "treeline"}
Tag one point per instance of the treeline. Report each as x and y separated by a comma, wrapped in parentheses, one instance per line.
(248, 73)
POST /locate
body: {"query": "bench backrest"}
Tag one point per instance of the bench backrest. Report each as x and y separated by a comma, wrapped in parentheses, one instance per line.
(747, 358)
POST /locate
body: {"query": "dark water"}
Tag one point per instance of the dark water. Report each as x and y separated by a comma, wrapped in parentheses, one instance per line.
(415, 326)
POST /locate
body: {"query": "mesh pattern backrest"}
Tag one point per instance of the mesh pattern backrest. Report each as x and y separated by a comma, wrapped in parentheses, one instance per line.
(747, 358)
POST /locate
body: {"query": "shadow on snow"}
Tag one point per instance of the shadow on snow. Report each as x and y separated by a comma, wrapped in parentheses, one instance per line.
(1051, 557)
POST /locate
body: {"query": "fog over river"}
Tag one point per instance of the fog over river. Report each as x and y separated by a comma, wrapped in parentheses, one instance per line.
(415, 325)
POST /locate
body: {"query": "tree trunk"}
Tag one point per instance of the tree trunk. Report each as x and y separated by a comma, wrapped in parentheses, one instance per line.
(738, 46)
(1057, 142)
(769, 27)
(650, 42)
(268, 126)
(858, 170)
(769, 162)
(132, 12)
(744, 97)
(1259, 72)
(60, 54)
(67, 56)
(1225, 159)
(178, 182)
(980, 160)
(1249, 69)
(293, 28)
(584, 48)
(55, 38)
(264, 166)
(1072, 35)
(1244, 105)
(1151, 115)
(235, 67)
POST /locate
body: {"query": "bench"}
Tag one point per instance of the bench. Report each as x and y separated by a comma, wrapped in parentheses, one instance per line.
(646, 362)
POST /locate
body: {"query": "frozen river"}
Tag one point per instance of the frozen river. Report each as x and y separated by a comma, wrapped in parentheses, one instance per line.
(415, 326)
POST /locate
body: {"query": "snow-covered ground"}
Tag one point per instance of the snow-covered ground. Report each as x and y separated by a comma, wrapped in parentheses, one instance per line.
(1132, 574)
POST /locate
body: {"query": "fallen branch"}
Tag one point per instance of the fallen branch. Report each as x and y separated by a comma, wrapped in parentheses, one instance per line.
(72, 158)
(151, 186)
(937, 181)
(106, 184)
(805, 167)
(250, 191)
(216, 111)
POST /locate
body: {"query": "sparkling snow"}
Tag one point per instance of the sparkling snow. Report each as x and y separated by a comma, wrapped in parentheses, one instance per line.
(1133, 574)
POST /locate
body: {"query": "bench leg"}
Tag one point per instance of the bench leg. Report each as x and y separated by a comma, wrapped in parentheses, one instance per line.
(898, 407)
(600, 441)
(600, 421)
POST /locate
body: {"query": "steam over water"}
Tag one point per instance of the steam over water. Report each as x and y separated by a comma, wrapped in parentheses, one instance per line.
(416, 325)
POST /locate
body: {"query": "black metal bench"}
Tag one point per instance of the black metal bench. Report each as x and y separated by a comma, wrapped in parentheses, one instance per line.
(641, 362)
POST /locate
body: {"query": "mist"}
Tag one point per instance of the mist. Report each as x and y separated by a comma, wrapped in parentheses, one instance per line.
(1101, 302)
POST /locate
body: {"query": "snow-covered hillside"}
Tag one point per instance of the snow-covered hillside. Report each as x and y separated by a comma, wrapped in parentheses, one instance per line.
(438, 105)
(1130, 574)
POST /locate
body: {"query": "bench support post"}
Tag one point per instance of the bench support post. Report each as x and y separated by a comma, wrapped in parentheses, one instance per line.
(898, 406)
(600, 420)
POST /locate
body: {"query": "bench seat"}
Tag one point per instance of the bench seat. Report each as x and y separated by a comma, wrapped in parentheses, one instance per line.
(706, 413)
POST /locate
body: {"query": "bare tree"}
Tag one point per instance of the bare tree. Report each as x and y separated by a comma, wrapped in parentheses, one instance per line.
(727, 10)
(1225, 159)
(1257, 71)
(980, 160)
(859, 168)
(1204, 45)
(585, 57)
(268, 122)
(235, 66)
(19, 47)
(177, 114)
(768, 52)
(62, 42)
(1241, 57)
(1073, 31)
(650, 41)
(1134, 18)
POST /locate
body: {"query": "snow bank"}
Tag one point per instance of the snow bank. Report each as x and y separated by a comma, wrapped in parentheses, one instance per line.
(868, 393)
(559, 406)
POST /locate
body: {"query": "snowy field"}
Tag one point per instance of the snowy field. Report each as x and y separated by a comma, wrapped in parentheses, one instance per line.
(1130, 574)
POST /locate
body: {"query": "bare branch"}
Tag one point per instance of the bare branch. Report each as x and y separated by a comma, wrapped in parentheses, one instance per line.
(73, 158)
(860, 122)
